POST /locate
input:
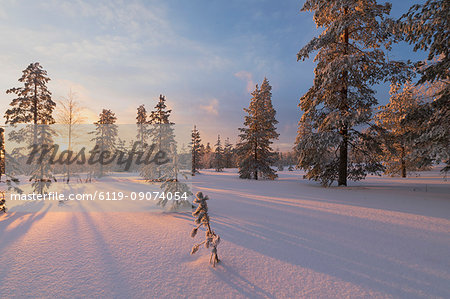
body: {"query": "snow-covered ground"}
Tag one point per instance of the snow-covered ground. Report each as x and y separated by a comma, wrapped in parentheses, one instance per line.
(382, 237)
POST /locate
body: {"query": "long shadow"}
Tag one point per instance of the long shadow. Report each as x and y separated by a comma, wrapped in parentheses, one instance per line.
(314, 242)
(118, 283)
(24, 222)
(238, 282)
(349, 196)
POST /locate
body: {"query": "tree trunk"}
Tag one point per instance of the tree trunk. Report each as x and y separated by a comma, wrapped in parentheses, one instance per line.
(255, 174)
(343, 150)
(403, 162)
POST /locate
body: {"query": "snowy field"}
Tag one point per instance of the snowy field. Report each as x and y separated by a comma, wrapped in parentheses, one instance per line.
(382, 237)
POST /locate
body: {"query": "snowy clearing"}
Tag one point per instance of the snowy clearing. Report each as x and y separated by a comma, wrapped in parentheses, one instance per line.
(382, 237)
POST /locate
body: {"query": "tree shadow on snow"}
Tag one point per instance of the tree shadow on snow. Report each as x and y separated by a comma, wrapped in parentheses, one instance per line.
(22, 223)
(337, 245)
(238, 282)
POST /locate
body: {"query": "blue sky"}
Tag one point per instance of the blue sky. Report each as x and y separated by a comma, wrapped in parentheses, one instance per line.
(205, 56)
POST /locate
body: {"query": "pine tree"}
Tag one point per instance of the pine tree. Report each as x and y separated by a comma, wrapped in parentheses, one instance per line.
(174, 186)
(196, 150)
(280, 161)
(349, 61)
(218, 155)
(399, 144)
(426, 26)
(160, 115)
(254, 151)
(142, 126)
(212, 240)
(105, 136)
(207, 156)
(163, 138)
(34, 105)
(70, 114)
(228, 154)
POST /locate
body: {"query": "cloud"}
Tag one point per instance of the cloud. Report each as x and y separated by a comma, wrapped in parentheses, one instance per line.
(248, 77)
(211, 108)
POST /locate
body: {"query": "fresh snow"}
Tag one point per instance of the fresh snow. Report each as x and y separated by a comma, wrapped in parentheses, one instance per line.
(382, 237)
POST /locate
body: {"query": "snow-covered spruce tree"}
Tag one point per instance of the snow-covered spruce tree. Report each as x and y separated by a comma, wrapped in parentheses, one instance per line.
(254, 149)
(163, 138)
(173, 186)
(228, 154)
(426, 27)
(399, 144)
(70, 114)
(218, 155)
(42, 175)
(142, 126)
(350, 60)
(196, 150)
(34, 105)
(105, 138)
(280, 161)
(212, 240)
(207, 157)
(122, 149)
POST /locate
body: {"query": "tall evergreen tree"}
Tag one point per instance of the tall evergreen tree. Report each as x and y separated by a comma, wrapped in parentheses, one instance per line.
(142, 125)
(207, 156)
(105, 136)
(228, 153)
(350, 61)
(196, 150)
(34, 105)
(174, 186)
(399, 144)
(163, 138)
(426, 27)
(218, 155)
(254, 149)
(160, 115)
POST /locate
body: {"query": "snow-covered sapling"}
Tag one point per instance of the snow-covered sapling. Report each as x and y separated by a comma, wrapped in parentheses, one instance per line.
(202, 219)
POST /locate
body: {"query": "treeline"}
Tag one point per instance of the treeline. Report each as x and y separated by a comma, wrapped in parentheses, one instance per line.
(222, 155)
(341, 134)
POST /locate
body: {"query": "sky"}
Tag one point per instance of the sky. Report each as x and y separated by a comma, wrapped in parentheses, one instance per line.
(204, 56)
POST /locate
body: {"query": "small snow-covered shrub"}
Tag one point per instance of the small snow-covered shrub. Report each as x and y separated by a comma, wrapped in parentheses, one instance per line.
(202, 219)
